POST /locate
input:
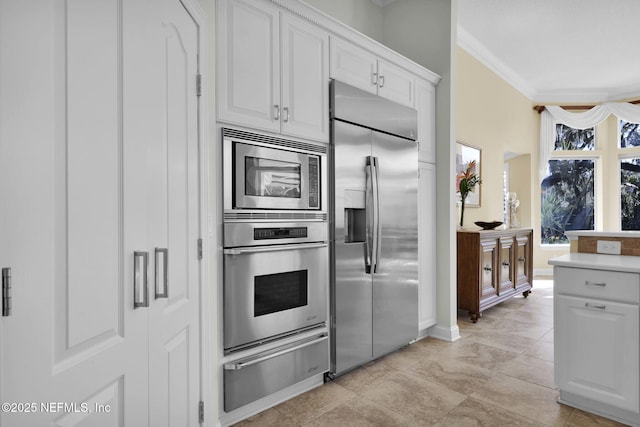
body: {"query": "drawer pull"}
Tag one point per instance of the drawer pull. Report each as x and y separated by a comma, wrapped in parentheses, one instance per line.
(505, 263)
(235, 366)
(601, 284)
(487, 268)
(521, 259)
(598, 306)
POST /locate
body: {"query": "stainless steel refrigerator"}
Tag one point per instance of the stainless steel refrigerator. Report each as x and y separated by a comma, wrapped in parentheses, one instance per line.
(373, 226)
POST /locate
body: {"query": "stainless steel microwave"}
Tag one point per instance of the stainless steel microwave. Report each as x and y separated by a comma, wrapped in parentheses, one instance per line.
(269, 173)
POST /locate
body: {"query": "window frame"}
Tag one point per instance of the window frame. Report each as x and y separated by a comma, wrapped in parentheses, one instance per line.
(622, 154)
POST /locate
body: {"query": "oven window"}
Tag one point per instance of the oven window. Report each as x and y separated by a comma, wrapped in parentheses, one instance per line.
(271, 178)
(280, 291)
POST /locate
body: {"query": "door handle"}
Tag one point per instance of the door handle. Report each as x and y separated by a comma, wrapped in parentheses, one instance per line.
(369, 221)
(276, 112)
(374, 79)
(285, 114)
(6, 292)
(140, 279)
(259, 249)
(381, 83)
(376, 218)
(162, 267)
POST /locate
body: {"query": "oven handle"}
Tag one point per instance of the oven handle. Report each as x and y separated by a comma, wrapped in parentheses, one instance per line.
(259, 249)
(259, 359)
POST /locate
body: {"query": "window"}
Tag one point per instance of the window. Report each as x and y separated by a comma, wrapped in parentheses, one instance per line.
(568, 190)
(629, 134)
(630, 193)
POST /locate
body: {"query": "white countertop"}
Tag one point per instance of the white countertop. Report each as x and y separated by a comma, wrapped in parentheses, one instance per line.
(573, 235)
(629, 264)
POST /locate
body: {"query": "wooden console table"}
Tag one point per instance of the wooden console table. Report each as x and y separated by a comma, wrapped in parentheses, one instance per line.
(493, 265)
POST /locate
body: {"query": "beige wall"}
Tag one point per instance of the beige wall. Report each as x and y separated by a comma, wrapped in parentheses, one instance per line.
(495, 117)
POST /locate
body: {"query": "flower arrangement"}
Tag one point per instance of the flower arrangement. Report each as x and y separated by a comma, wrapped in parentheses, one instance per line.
(466, 182)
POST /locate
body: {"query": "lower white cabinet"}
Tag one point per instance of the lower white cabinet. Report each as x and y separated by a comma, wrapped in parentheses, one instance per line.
(596, 340)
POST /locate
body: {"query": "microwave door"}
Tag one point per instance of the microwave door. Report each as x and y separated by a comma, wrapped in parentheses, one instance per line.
(267, 178)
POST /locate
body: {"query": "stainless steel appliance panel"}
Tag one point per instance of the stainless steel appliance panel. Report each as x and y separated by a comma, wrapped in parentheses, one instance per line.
(395, 281)
(258, 376)
(272, 290)
(351, 285)
(357, 106)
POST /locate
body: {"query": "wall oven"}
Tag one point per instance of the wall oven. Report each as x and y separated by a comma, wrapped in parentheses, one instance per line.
(273, 174)
(275, 280)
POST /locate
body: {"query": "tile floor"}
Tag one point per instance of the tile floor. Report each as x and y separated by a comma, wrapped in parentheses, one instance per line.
(500, 373)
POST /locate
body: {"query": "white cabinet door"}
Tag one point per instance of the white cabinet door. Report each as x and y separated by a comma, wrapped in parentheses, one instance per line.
(248, 88)
(304, 80)
(426, 105)
(353, 65)
(395, 84)
(169, 125)
(78, 189)
(426, 245)
(596, 350)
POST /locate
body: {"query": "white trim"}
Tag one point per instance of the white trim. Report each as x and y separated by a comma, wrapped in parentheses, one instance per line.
(479, 51)
(445, 333)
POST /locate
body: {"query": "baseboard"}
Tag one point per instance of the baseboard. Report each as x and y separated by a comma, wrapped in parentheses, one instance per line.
(444, 333)
(542, 272)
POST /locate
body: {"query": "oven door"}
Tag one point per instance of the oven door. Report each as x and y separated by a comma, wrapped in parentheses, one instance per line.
(270, 291)
(270, 178)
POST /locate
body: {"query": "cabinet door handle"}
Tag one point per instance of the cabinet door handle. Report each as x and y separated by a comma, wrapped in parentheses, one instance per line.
(601, 284)
(140, 279)
(505, 263)
(487, 268)
(276, 112)
(521, 259)
(598, 306)
(162, 268)
(285, 114)
(374, 79)
(381, 81)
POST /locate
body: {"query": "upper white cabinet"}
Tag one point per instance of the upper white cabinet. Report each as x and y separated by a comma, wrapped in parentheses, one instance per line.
(355, 66)
(273, 70)
(426, 106)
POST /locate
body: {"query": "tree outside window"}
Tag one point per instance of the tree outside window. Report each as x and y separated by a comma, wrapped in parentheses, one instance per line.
(568, 188)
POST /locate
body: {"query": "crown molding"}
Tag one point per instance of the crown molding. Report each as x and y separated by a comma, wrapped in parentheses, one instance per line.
(479, 51)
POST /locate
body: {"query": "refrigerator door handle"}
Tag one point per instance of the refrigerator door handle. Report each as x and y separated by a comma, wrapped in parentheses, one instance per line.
(369, 220)
(376, 217)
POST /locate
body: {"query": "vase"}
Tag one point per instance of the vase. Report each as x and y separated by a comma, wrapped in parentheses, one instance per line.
(461, 223)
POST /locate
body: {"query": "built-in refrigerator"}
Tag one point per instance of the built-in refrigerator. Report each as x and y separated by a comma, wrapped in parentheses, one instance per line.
(373, 226)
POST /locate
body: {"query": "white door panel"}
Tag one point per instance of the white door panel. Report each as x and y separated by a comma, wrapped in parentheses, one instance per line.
(92, 168)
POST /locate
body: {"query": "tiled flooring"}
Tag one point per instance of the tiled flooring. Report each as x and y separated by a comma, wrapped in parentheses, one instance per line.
(500, 373)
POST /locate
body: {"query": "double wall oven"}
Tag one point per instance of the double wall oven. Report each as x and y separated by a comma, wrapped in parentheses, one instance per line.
(275, 264)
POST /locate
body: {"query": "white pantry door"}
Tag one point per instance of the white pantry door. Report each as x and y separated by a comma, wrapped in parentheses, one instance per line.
(94, 165)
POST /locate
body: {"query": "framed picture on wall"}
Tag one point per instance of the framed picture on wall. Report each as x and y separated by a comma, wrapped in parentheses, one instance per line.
(466, 153)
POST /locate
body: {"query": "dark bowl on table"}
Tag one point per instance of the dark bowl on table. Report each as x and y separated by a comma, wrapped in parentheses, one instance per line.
(488, 225)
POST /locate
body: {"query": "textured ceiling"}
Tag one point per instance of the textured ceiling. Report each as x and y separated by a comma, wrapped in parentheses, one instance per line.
(557, 50)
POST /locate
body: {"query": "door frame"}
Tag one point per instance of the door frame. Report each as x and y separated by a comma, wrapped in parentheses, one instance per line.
(206, 222)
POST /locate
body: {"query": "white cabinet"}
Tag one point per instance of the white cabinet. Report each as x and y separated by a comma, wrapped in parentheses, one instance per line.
(426, 106)
(596, 341)
(426, 245)
(272, 70)
(355, 66)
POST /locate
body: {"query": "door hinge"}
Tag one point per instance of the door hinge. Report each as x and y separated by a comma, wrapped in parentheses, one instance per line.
(201, 412)
(200, 248)
(6, 292)
(198, 84)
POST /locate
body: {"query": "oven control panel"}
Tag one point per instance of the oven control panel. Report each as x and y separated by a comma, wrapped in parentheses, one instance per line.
(279, 233)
